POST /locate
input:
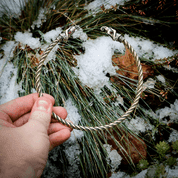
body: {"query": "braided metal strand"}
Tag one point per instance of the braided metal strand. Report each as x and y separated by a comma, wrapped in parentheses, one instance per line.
(115, 36)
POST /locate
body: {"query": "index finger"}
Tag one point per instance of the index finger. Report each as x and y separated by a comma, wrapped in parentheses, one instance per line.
(22, 105)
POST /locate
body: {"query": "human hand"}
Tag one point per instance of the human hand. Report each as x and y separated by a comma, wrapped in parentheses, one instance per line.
(27, 133)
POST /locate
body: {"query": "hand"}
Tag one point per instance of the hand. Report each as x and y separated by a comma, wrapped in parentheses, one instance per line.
(27, 133)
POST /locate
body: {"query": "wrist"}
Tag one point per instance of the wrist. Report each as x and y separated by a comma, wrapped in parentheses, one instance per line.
(18, 170)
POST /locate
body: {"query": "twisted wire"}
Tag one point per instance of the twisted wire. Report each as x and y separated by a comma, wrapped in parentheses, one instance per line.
(115, 36)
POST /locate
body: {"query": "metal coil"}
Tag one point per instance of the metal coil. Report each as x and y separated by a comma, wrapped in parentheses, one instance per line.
(115, 36)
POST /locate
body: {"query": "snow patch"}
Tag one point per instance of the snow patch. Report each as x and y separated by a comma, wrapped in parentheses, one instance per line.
(72, 152)
(97, 61)
(141, 174)
(52, 35)
(119, 175)
(75, 117)
(161, 78)
(27, 39)
(72, 148)
(148, 49)
(171, 111)
(173, 136)
(112, 157)
(11, 7)
(8, 86)
(150, 83)
(138, 124)
(41, 18)
(80, 34)
(95, 6)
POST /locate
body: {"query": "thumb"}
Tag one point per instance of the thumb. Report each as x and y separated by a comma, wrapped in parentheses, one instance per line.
(40, 116)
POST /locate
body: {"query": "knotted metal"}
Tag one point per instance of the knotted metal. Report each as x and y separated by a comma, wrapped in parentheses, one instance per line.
(116, 37)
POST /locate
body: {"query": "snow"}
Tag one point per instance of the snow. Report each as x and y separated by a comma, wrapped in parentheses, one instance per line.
(72, 148)
(161, 78)
(95, 6)
(96, 62)
(75, 117)
(11, 7)
(148, 49)
(97, 59)
(41, 18)
(80, 34)
(8, 74)
(150, 83)
(72, 152)
(171, 173)
(113, 156)
(52, 35)
(141, 174)
(27, 39)
(8, 48)
(171, 111)
(8, 86)
(138, 124)
(173, 136)
(119, 175)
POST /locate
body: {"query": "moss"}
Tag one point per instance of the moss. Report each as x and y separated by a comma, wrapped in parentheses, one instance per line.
(156, 171)
(143, 164)
(175, 146)
(162, 148)
(171, 161)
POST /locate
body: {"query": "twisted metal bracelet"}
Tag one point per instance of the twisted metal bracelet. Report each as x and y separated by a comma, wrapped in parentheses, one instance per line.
(115, 36)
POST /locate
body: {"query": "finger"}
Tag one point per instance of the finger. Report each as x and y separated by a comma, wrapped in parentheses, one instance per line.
(19, 106)
(6, 124)
(22, 120)
(40, 116)
(58, 138)
(55, 127)
(60, 111)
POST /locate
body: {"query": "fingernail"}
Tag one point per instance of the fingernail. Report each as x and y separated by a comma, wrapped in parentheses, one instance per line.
(43, 105)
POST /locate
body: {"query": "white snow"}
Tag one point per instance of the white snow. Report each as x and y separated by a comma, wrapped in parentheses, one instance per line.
(72, 152)
(75, 117)
(113, 156)
(8, 74)
(150, 83)
(171, 173)
(96, 62)
(52, 35)
(119, 175)
(8, 86)
(40, 20)
(141, 174)
(27, 39)
(97, 59)
(72, 148)
(148, 49)
(8, 48)
(11, 7)
(95, 6)
(173, 136)
(171, 111)
(138, 124)
(80, 34)
(161, 78)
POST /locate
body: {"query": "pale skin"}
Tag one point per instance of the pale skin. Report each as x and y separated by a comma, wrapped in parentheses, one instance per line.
(28, 133)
